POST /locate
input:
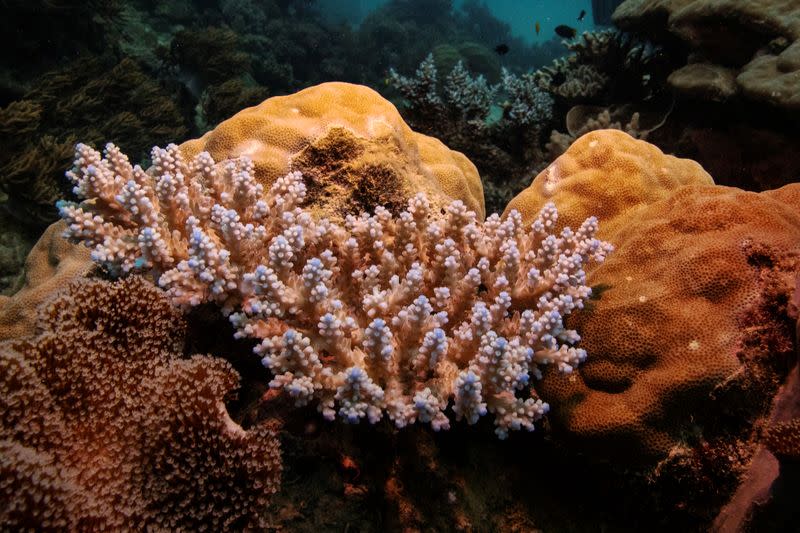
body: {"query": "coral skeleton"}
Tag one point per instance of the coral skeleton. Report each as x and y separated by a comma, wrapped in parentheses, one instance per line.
(397, 316)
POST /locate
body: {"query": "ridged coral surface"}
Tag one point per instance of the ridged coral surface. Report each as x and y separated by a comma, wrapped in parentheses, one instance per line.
(675, 325)
(395, 314)
(103, 426)
(345, 118)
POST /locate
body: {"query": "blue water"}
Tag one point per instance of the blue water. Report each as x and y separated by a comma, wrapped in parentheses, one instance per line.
(519, 14)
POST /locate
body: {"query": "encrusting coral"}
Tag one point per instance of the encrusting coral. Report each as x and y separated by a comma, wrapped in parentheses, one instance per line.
(104, 426)
(385, 314)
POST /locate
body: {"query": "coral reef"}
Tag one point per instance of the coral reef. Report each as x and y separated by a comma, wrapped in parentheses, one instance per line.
(605, 66)
(92, 99)
(352, 145)
(783, 440)
(103, 420)
(221, 101)
(387, 314)
(736, 83)
(14, 246)
(71, 28)
(692, 261)
(211, 55)
(52, 263)
(582, 119)
(758, 40)
(458, 111)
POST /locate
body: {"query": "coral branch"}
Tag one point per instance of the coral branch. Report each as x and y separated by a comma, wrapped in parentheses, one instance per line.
(394, 315)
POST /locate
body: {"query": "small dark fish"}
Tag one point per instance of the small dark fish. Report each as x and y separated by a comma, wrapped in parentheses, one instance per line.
(501, 49)
(565, 31)
(583, 14)
(537, 27)
(558, 78)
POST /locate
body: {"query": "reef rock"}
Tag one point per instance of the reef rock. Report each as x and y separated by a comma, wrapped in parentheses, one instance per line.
(754, 37)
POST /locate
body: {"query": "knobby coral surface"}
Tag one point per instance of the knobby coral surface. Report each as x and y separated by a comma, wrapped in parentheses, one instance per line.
(691, 333)
(51, 264)
(104, 426)
(353, 145)
(385, 314)
(753, 44)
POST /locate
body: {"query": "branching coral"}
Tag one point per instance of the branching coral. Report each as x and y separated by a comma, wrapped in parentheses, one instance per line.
(606, 64)
(421, 91)
(104, 426)
(528, 104)
(458, 112)
(560, 142)
(388, 314)
(571, 81)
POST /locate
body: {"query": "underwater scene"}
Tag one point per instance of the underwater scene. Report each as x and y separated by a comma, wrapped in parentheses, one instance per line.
(400, 265)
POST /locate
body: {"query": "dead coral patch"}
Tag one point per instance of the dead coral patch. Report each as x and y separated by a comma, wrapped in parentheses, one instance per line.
(346, 175)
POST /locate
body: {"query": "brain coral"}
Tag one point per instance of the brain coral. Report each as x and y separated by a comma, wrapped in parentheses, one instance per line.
(351, 143)
(670, 331)
(102, 419)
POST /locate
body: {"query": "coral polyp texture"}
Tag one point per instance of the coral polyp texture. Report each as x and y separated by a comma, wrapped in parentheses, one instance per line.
(105, 426)
(694, 319)
(393, 315)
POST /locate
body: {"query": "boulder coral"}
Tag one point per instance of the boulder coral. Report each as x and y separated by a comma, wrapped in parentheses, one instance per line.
(105, 426)
(691, 322)
(51, 264)
(353, 146)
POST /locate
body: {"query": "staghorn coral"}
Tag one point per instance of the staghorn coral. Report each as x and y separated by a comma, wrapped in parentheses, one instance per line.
(103, 421)
(455, 111)
(458, 111)
(393, 315)
(421, 91)
(528, 104)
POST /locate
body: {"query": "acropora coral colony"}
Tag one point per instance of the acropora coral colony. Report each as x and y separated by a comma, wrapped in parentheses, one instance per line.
(389, 313)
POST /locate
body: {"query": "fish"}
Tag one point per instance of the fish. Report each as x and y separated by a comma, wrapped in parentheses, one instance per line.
(583, 14)
(558, 78)
(566, 31)
(501, 49)
(537, 27)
